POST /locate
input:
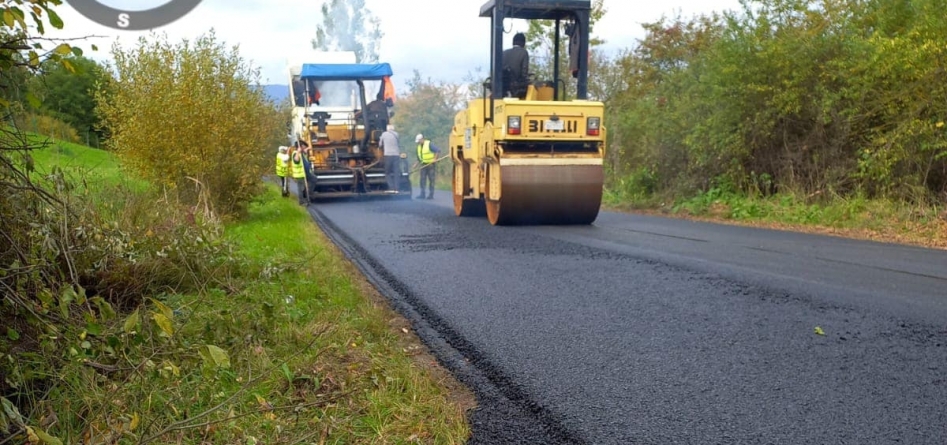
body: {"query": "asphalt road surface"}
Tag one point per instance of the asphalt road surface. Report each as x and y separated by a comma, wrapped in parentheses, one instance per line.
(645, 330)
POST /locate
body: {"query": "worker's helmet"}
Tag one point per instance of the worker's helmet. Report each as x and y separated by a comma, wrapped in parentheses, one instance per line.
(419, 138)
(283, 148)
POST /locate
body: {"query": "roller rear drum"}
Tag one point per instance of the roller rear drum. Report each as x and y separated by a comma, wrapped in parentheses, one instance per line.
(546, 195)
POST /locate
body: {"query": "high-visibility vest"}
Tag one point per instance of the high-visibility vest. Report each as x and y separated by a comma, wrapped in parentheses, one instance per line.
(299, 169)
(424, 153)
(280, 165)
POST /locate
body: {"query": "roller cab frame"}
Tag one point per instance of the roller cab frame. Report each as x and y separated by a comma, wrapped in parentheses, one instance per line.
(536, 160)
(342, 129)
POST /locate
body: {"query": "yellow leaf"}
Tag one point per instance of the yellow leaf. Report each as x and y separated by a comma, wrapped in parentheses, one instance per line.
(819, 331)
(213, 355)
(63, 49)
(45, 438)
(8, 18)
(163, 322)
(164, 309)
(939, 124)
(132, 322)
(168, 366)
(134, 423)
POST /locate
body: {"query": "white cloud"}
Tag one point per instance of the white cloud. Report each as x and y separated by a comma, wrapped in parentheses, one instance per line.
(442, 39)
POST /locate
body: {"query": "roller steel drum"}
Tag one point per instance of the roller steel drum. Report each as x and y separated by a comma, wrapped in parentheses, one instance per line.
(547, 194)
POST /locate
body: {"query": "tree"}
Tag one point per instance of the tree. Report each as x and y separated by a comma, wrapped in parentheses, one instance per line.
(68, 95)
(189, 116)
(344, 28)
(429, 108)
(540, 40)
(21, 52)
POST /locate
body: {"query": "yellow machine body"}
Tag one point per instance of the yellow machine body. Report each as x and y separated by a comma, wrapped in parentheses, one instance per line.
(523, 153)
(549, 171)
(340, 110)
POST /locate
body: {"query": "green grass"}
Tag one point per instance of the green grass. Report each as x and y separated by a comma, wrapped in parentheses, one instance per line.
(285, 344)
(393, 398)
(879, 219)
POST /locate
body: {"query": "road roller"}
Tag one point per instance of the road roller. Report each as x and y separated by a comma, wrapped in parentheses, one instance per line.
(527, 152)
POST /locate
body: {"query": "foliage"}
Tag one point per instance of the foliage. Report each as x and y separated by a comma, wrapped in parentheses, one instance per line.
(46, 125)
(827, 98)
(191, 114)
(68, 95)
(347, 25)
(540, 41)
(219, 336)
(20, 49)
(428, 108)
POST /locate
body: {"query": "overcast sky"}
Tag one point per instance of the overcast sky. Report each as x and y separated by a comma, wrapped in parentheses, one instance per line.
(442, 39)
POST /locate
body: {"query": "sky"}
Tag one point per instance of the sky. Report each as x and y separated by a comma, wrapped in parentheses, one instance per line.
(443, 40)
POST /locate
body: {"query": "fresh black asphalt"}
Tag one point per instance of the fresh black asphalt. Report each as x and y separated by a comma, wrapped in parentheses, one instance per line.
(646, 330)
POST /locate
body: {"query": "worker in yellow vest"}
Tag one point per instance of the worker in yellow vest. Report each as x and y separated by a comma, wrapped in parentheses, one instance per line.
(427, 153)
(298, 170)
(282, 169)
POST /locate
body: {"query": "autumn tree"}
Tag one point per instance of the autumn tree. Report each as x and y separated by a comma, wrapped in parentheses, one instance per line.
(67, 95)
(347, 25)
(191, 116)
(428, 108)
(540, 40)
(810, 98)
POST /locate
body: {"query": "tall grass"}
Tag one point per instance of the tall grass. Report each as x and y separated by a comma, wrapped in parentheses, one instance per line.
(187, 331)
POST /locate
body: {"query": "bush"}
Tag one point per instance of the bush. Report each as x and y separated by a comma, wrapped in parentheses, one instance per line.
(191, 115)
(46, 126)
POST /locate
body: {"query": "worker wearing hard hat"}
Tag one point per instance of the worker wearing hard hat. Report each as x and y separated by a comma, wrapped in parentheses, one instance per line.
(427, 154)
(282, 169)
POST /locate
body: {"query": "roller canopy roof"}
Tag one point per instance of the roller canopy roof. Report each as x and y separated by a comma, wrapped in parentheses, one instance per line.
(535, 9)
(345, 71)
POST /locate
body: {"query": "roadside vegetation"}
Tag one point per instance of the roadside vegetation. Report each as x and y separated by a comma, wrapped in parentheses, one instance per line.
(157, 291)
(811, 113)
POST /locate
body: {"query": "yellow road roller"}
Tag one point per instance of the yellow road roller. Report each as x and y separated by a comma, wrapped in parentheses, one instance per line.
(525, 152)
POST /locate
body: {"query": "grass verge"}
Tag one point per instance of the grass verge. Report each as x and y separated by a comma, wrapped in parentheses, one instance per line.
(278, 340)
(858, 218)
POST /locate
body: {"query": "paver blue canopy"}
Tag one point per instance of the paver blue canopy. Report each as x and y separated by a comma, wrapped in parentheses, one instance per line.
(345, 71)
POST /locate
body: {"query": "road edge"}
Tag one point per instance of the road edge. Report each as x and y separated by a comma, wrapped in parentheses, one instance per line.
(439, 342)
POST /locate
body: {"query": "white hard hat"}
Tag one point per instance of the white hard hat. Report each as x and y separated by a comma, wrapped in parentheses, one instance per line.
(283, 148)
(419, 137)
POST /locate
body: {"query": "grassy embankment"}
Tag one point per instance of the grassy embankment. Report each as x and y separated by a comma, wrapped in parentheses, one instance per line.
(302, 349)
(885, 221)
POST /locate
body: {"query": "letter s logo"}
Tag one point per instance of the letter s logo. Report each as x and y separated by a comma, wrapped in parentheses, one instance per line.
(123, 20)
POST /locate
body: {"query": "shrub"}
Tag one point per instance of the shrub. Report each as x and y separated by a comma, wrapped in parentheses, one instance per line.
(191, 114)
(46, 126)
